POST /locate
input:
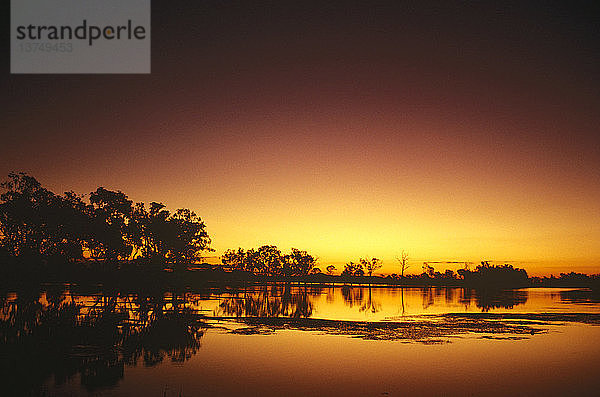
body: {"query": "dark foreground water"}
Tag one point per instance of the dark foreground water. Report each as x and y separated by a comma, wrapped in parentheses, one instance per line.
(283, 340)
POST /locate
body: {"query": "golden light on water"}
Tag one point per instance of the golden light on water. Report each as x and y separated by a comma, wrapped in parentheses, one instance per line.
(451, 132)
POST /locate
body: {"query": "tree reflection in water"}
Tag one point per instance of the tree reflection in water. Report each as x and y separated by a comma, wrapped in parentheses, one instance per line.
(270, 301)
(356, 297)
(60, 334)
(486, 300)
(494, 299)
(580, 296)
(52, 335)
(352, 296)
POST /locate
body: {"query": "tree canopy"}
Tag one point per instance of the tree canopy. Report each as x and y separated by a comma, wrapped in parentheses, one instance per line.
(268, 260)
(37, 224)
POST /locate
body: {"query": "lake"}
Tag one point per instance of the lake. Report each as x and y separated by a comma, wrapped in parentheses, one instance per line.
(291, 340)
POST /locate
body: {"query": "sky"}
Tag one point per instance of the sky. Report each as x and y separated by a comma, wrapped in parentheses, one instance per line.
(462, 131)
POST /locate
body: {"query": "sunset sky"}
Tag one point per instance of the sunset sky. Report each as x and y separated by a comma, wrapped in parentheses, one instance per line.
(455, 131)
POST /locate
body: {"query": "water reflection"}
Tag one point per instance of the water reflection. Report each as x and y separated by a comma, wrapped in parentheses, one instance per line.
(585, 296)
(360, 302)
(270, 301)
(53, 335)
(416, 301)
(495, 299)
(363, 300)
(61, 333)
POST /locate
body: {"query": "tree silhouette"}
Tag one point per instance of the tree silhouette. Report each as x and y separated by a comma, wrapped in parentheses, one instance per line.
(299, 263)
(403, 260)
(235, 260)
(353, 269)
(155, 231)
(187, 237)
(38, 226)
(35, 223)
(487, 274)
(428, 270)
(112, 212)
(269, 261)
(371, 265)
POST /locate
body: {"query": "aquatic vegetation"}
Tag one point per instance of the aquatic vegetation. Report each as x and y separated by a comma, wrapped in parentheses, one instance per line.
(421, 329)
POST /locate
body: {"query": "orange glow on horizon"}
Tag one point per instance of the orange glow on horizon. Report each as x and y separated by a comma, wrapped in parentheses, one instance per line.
(347, 194)
(343, 200)
(344, 139)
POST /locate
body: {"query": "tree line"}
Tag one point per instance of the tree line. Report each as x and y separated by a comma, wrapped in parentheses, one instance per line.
(37, 225)
(268, 260)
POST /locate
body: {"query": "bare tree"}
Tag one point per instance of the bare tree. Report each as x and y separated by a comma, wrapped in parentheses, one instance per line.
(403, 259)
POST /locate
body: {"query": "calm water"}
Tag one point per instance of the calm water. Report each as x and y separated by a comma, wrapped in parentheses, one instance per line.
(300, 341)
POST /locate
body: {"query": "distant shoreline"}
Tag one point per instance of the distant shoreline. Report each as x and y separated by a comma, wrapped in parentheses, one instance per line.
(133, 275)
